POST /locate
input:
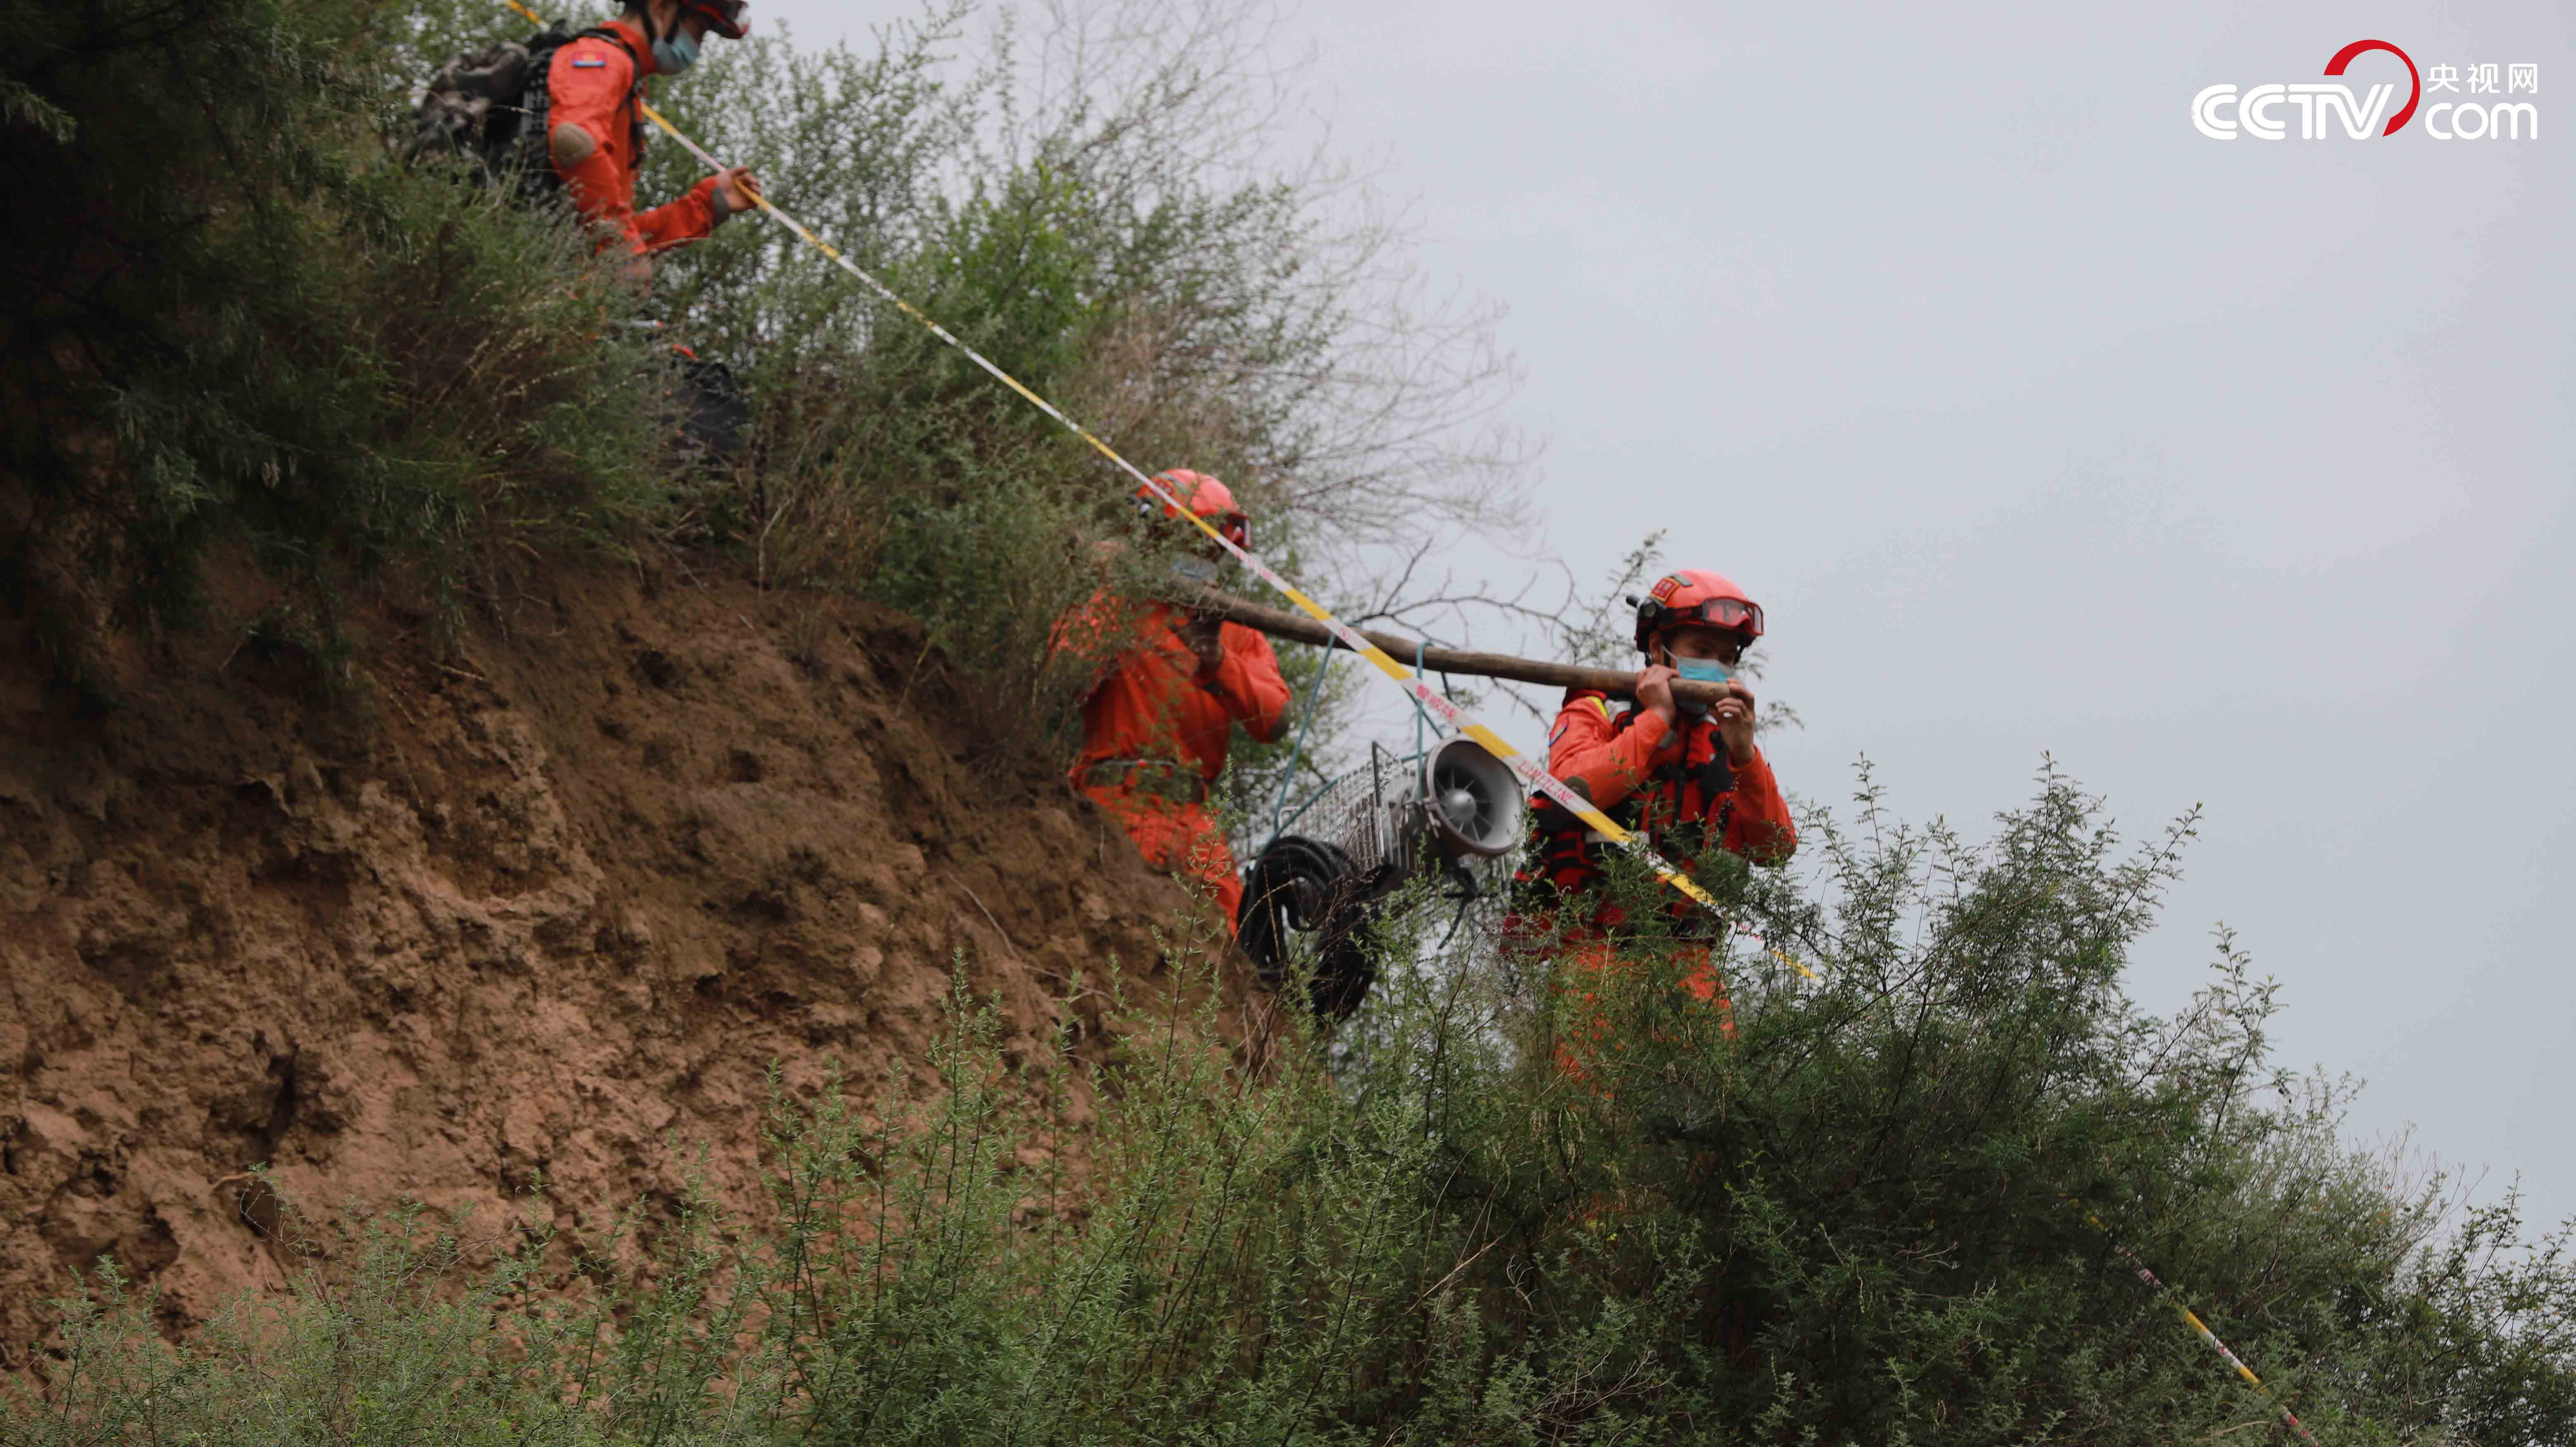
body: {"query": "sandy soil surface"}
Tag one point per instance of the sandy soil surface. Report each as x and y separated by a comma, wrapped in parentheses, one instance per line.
(554, 905)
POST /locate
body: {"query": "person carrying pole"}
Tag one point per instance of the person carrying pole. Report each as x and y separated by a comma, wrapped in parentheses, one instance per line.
(1689, 778)
(1157, 723)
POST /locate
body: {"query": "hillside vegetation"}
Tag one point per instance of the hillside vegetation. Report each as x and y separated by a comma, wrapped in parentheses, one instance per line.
(272, 397)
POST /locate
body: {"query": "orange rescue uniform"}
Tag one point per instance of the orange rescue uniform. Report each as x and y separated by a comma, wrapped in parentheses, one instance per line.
(593, 84)
(1675, 785)
(1156, 727)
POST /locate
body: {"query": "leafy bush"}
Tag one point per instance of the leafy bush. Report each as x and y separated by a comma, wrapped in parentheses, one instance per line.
(227, 319)
(1867, 1217)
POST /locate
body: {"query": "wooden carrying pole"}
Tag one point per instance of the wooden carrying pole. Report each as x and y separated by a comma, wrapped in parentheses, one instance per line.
(1298, 628)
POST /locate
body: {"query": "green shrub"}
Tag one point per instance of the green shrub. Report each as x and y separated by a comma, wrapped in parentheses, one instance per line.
(1867, 1217)
(229, 319)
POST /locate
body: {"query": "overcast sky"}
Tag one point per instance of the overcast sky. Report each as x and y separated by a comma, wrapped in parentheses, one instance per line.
(2229, 473)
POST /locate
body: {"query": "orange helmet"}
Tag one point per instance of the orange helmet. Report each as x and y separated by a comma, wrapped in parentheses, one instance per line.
(1206, 497)
(1697, 598)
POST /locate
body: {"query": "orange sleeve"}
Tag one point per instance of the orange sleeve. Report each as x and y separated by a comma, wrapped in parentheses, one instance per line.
(1760, 829)
(1250, 682)
(689, 218)
(1600, 763)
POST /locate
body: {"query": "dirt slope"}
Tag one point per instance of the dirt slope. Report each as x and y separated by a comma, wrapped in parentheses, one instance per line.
(567, 896)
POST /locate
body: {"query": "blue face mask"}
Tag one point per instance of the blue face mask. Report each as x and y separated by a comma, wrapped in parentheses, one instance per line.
(676, 54)
(1701, 670)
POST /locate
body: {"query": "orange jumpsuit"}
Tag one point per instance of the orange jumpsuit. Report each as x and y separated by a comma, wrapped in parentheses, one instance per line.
(1608, 757)
(593, 84)
(1675, 784)
(1159, 703)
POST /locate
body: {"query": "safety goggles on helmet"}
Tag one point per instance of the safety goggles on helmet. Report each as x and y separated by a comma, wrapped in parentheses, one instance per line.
(724, 17)
(1733, 615)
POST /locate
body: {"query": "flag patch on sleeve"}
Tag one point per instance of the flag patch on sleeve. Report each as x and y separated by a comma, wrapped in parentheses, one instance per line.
(588, 62)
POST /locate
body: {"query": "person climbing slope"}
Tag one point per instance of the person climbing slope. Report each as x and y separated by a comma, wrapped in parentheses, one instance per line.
(1157, 724)
(594, 130)
(1687, 778)
(594, 139)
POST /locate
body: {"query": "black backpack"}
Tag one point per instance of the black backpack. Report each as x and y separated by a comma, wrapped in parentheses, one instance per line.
(488, 108)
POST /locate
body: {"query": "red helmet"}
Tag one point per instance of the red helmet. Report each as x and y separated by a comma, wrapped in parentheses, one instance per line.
(1695, 597)
(1206, 497)
(724, 17)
